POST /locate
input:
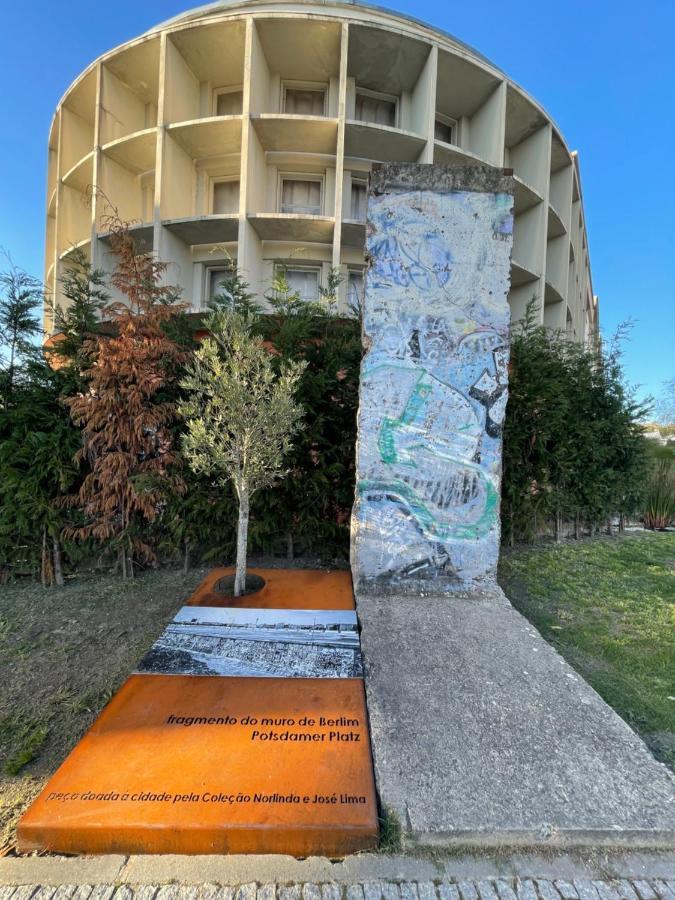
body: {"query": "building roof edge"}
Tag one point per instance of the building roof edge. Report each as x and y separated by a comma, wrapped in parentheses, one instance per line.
(212, 8)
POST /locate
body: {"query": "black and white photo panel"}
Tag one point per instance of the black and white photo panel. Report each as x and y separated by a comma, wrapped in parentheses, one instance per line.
(273, 643)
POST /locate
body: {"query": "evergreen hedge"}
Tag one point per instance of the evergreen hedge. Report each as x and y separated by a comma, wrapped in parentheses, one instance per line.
(574, 448)
(573, 445)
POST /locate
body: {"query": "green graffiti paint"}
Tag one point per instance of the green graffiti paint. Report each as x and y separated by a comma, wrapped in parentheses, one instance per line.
(431, 523)
(412, 414)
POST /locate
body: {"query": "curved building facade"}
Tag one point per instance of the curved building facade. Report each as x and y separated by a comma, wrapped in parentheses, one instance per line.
(246, 131)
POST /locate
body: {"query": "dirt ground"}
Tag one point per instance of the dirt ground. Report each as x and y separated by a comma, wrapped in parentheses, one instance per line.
(63, 654)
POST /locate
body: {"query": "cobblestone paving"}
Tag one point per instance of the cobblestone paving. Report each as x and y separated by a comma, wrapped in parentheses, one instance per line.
(487, 889)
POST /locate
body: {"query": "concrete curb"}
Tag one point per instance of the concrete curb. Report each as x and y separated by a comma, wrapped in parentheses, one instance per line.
(237, 870)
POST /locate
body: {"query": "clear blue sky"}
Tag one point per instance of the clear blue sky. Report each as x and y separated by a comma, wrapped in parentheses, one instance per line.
(604, 70)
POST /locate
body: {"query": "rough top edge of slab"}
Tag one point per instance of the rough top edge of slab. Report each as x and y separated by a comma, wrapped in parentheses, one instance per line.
(395, 177)
(444, 587)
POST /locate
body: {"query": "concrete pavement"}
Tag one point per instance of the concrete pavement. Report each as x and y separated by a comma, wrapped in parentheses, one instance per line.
(484, 736)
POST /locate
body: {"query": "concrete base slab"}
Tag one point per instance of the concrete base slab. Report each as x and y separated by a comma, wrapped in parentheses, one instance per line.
(483, 735)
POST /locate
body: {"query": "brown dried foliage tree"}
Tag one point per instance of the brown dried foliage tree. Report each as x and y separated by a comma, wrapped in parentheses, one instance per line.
(127, 439)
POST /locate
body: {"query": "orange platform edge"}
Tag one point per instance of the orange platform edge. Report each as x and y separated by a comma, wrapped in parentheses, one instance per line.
(206, 764)
(284, 589)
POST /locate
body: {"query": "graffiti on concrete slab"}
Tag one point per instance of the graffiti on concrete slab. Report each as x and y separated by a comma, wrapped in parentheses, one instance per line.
(433, 386)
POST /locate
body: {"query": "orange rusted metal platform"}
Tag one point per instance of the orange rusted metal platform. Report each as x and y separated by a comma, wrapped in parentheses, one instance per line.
(284, 589)
(208, 764)
(141, 781)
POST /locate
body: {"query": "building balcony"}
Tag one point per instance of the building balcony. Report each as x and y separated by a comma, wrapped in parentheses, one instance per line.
(141, 232)
(451, 155)
(293, 227)
(353, 233)
(135, 152)
(81, 176)
(84, 245)
(213, 229)
(554, 292)
(299, 134)
(524, 195)
(522, 273)
(366, 140)
(215, 136)
(556, 227)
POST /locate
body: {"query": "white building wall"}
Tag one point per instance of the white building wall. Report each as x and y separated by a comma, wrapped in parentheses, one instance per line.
(140, 126)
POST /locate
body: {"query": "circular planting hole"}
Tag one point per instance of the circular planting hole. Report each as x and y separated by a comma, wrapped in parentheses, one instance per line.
(254, 583)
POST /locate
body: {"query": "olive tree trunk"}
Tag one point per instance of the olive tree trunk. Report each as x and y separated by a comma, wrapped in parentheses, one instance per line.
(242, 542)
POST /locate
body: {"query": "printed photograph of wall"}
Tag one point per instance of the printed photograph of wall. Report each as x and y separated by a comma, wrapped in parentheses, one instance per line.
(273, 643)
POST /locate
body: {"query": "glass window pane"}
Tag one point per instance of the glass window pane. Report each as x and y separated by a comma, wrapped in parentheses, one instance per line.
(443, 131)
(358, 207)
(355, 289)
(229, 103)
(301, 102)
(225, 197)
(304, 282)
(299, 196)
(375, 109)
(214, 286)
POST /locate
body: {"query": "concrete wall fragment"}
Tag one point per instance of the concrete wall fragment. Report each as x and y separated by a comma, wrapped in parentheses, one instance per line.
(434, 378)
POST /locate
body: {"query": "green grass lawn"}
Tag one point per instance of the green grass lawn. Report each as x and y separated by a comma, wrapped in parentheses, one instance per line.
(608, 606)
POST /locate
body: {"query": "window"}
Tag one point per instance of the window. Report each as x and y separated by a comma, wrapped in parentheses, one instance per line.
(229, 103)
(214, 280)
(355, 288)
(359, 201)
(225, 197)
(444, 129)
(377, 108)
(301, 195)
(303, 280)
(304, 100)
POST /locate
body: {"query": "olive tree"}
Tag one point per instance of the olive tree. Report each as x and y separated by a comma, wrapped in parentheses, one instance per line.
(241, 415)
